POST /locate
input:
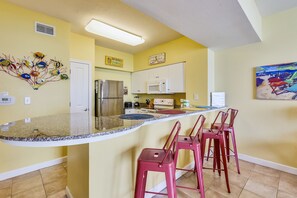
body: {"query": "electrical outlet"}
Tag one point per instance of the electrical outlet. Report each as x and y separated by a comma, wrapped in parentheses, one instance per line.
(27, 100)
(195, 96)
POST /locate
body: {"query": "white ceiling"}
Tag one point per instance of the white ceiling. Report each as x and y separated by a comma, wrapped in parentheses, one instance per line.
(214, 23)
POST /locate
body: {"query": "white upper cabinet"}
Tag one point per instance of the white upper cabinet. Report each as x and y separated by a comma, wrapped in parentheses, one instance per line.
(176, 78)
(139, 80)
(174, 74)
(158, 73)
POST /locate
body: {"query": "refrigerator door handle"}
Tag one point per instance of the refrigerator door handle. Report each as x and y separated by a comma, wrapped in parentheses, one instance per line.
(96, 86)
(101, 90)
(100, 109)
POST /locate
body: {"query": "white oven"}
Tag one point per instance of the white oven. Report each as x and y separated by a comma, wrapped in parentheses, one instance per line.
(157, 87)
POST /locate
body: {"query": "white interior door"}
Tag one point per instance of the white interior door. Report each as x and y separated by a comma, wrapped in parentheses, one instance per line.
(79, 86)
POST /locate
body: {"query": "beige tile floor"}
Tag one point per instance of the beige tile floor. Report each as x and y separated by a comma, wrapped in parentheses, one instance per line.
(48, 182)
(254, 182)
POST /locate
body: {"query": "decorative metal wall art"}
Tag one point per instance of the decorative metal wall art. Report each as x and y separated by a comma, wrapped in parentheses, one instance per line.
(36, 72)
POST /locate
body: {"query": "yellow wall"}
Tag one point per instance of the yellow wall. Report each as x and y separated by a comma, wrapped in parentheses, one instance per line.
(82, 48)
(101, 52)
(265, 128)
(19, 39)
(196, 68)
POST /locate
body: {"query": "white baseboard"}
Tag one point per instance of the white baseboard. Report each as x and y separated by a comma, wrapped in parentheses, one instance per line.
(68, 193)
(21, 171)
(270, 164)
(162, 185)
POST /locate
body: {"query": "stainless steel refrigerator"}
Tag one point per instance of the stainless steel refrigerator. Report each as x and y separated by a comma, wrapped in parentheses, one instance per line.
(109, 97)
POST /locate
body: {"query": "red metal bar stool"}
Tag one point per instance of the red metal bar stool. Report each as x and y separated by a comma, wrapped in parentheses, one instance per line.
(219, 146)
(192, 143)
(158, 160)
(228, 129)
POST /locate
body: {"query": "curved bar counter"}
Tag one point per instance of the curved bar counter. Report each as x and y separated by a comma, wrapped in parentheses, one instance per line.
(76, 128)
(98, 168)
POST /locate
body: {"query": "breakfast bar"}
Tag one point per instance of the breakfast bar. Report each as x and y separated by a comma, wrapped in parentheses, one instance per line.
(102, 151)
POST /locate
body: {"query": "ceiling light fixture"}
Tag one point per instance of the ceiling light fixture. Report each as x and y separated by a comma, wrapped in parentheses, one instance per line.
(105, 30)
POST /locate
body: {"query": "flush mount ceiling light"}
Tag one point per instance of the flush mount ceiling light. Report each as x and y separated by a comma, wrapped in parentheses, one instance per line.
(105, 30)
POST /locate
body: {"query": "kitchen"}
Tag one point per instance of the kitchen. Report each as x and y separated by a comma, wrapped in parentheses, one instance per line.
(73, 45)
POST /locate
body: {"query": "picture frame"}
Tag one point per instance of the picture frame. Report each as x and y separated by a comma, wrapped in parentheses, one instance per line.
(157, 58)
(113, 61)
(277, 82)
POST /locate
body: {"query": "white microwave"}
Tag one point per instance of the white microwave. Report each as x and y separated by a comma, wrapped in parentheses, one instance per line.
(157, 87)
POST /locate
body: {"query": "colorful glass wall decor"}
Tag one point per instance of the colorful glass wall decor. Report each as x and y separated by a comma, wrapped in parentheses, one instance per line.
(36, 71)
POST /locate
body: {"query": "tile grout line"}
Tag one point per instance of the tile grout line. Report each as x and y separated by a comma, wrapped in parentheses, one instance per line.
(42, 182)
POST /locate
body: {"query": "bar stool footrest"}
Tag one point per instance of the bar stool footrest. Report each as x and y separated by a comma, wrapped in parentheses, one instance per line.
(189, 170)
(156, 193)
(189, 188)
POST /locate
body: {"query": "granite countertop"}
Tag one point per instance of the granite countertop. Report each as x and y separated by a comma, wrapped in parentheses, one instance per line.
(76, 128)
(64, 129)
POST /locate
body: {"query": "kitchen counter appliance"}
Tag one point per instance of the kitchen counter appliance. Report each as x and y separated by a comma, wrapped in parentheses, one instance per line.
(159, 104)
(109, 97)
(163, 103)
(128, 105)
(157, 87)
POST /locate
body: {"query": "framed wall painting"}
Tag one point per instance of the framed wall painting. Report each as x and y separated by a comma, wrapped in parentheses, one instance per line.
(277, 82)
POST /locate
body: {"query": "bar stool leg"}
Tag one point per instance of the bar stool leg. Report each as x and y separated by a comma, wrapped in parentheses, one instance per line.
(209, 147)
(170, 182)
(202, 145)
(217, 161)
(140, 183)
(227, 142)
(225, 163)
(198, 168)
(235, 149)
(176, 155)
(214, 159)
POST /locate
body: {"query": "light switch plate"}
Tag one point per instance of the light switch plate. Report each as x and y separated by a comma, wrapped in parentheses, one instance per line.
(27, 100)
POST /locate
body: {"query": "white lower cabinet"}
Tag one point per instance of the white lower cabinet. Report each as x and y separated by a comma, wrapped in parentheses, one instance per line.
(129, 111)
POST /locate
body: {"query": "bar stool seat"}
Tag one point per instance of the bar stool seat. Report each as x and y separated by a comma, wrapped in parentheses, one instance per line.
(158, 160)
(219, 146)
(192, 143)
